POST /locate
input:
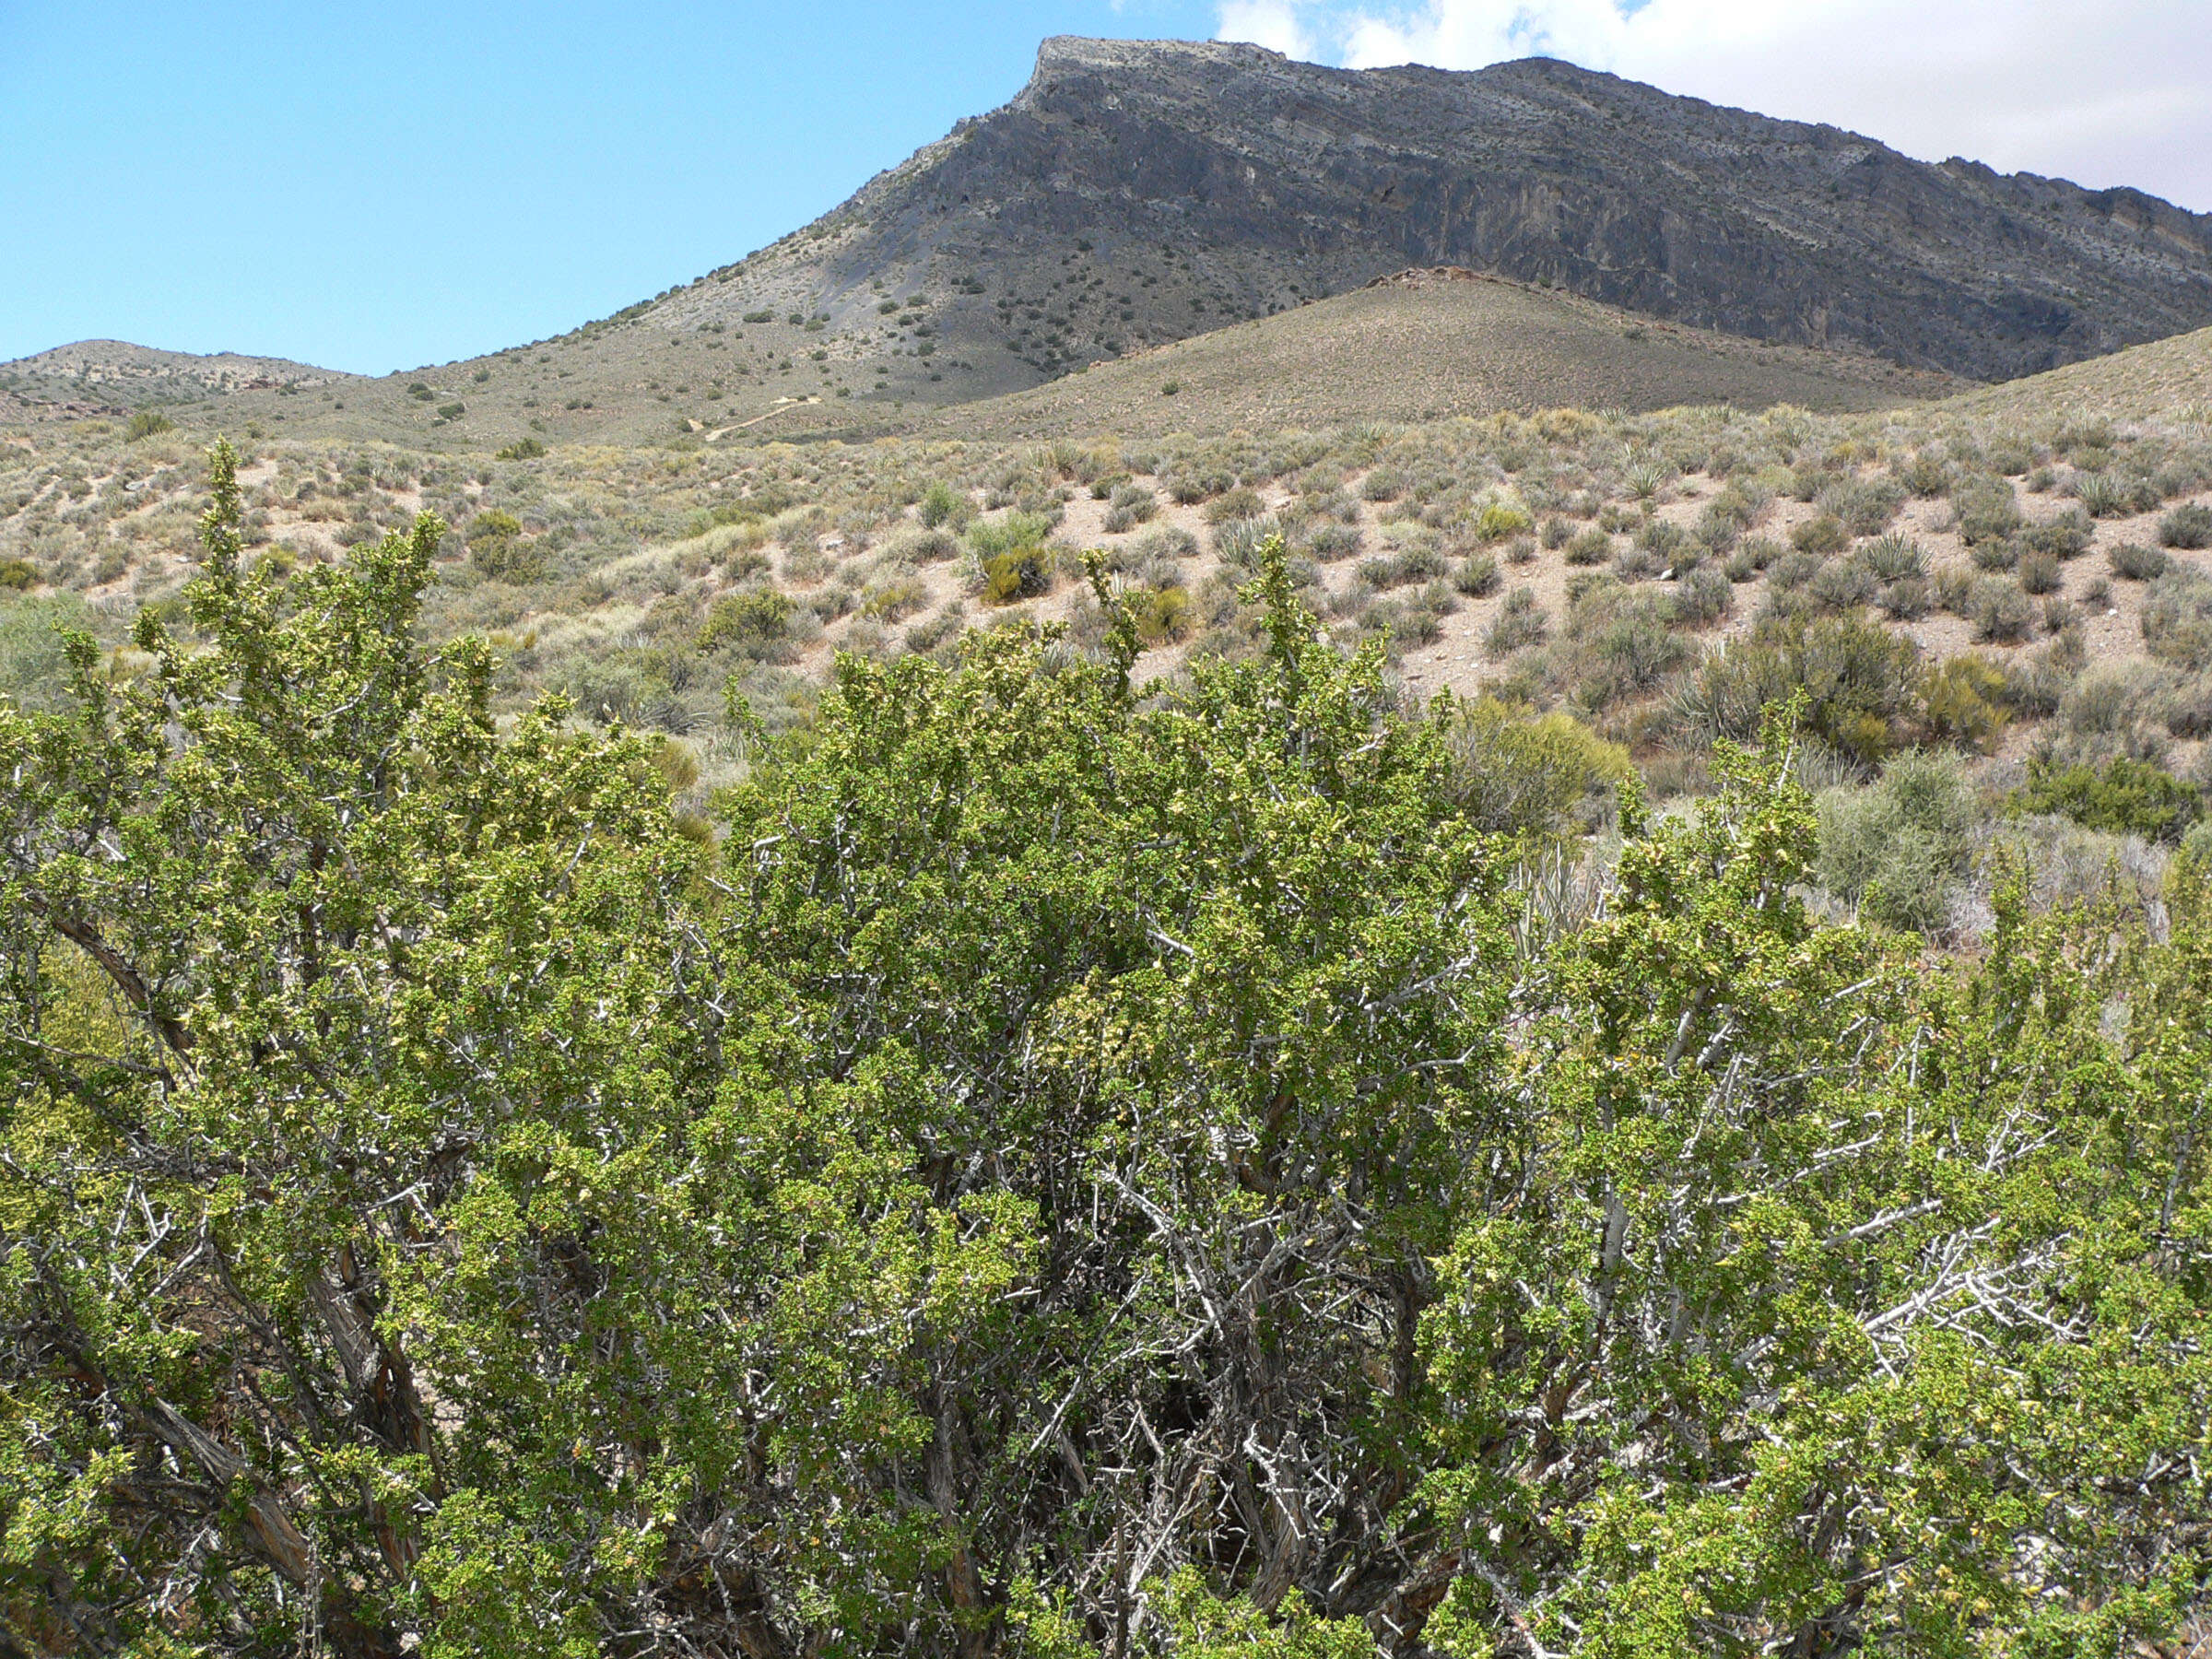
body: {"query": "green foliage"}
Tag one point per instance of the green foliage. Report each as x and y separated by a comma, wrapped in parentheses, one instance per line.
(498, 548)
(34, 662)
(1986, 509)
(1498, 520)
(2125, 798)
(1056, 1169)
(18, 574)
(148, 423)
(1895, 850)
(523, 449)
(754, 621)
(1861, 683)
(1964, 698)
(1019, 573)
(1521, 773)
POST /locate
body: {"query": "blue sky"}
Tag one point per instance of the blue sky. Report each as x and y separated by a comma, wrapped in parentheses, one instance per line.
(381, 186)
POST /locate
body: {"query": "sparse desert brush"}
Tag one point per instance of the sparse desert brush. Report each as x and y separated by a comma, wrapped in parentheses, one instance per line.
(2133, 562)
(1986, 510)
(1521, 622)
(1592, 546)
(2188, 527)
(1822, 534)
(2040, 573)
(1477, 575)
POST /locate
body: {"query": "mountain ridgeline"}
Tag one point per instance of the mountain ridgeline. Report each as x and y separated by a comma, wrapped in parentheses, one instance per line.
(1137, 192)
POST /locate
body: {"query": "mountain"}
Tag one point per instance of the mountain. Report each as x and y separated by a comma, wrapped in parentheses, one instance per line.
(1137, 192)
(1426, 344)
(114, 374)
(2169, 379)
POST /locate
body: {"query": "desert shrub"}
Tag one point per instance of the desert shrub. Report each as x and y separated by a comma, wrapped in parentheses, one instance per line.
(2125, 798)
(2100, 495)
(2184, 706)
(1793, 570)
(2068, 536)
(1964, 700)
(753, 622)
(1328, 542)
(1999, 611)
(1986, 509)
(1557, 533)
(2177, 618)
(1822, 536)
(1240, 541)
(1621, 642)
(33, 661)
(1515, 772)
(943, 505)
(1895, 850)
(1841, 584)
(1892, 557)
(1164, 614)
(1703, 597)
(1906, 599)
(933, 633)
(523, 449)
(148, 423)
(893, 599)
(1384, 484)
(1590, 548)
(17, 575)
(1476, 575)
(1165, 542)
(1666, 542)
(2188, 527)
(1863, 506)
(1995, 556)
(496, 547)
(1521, 622)
(2131, 561)
(1129, 506)
(923, 547)
(1020, 572)
(1498, 520)
(1861, 683)
(1241, 502)
(1926, 474)
(1016, 532)
(2111, 699)
(1760, 550)
(2040, 573)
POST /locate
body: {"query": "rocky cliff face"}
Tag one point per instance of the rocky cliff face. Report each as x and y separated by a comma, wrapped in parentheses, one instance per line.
(1137, 192)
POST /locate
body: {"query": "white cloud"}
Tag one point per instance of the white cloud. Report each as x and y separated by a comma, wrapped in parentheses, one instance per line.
(2102, 91)
(1270, 23)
